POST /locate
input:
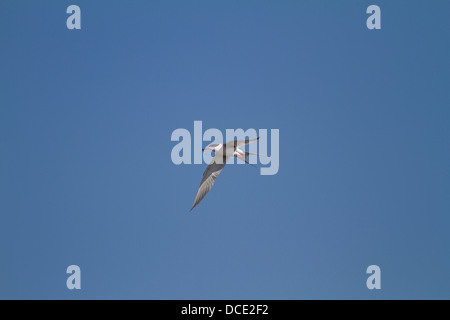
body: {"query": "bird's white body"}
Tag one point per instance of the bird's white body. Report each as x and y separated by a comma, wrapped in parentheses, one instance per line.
(222, 154)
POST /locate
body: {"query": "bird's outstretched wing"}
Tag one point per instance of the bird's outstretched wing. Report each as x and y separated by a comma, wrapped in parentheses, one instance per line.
(240, 143)
(209, 177)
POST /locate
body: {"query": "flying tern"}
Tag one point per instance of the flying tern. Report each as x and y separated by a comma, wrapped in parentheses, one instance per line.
(222, 153)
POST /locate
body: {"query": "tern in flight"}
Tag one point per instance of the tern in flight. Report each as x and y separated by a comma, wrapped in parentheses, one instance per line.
(222, 153)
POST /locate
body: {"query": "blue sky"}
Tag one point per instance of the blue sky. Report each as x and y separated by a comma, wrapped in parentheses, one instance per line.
(86, 118)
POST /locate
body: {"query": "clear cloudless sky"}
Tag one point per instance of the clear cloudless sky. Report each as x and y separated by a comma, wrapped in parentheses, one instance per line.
(86, 176)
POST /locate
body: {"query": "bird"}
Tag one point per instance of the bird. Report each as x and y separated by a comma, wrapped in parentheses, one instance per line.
(222, 153)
